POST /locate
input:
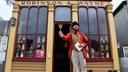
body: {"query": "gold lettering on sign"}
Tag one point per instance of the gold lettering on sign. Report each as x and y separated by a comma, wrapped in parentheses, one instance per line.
(68, 3)
(44, 3)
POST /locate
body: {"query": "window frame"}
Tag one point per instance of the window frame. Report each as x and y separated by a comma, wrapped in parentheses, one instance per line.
(36, 34)
(66, 22)
(98, 35)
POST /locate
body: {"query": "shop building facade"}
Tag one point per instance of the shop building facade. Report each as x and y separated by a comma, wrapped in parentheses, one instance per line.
(34, 44)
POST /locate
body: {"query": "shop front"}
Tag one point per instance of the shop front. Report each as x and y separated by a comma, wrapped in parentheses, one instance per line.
(35, 46)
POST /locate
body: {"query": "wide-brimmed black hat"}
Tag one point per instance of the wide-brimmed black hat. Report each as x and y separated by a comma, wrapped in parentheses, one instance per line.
(74, 23)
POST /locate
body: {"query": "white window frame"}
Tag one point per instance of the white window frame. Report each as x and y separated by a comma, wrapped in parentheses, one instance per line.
(124, 52)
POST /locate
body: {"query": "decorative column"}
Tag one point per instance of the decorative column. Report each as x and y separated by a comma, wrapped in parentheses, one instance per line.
(112, 35)
(75, 12)
(74, 18)
(50, 33)
(11, 40)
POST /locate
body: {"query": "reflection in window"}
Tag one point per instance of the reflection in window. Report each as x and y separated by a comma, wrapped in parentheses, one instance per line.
(83, 21)
(31, 36)
(63, 14)
(93, 29)
(32, 20)
(102, 21)
(42, 20)
(23, 20)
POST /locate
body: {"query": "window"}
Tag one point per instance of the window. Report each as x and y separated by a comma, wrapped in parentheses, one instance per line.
(125, 50)
(62, 14)
(31, 34)
(93, 27)
(83, 20)
(102, 21)
(93, 23)
(4, 26)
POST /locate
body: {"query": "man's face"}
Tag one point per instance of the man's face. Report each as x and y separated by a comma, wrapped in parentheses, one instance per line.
(76, 27)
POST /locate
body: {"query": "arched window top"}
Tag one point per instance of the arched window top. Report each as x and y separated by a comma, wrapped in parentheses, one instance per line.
(82, 11)
(102, 12)
(62, 14)
(92, 11)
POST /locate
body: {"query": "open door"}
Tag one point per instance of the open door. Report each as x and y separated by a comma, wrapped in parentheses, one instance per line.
(61, 63)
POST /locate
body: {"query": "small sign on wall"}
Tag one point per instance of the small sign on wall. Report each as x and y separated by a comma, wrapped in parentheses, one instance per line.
(3, 48)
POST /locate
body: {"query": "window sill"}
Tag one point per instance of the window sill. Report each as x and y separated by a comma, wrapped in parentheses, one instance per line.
(99, 60)
(30, 59)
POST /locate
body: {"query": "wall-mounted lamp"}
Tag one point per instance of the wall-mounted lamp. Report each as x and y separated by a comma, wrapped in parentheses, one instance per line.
(13, 21)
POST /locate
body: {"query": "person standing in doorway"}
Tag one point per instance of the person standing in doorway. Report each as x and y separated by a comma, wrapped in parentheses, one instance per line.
(78, 43)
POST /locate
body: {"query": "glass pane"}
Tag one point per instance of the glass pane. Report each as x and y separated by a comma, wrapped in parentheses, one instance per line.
(93, 29)
(94, 44)
(40, 40)
(23, 21)
(102, 21)
(104, 46)
(83, 20)
(63, 14)
(20, 39)
(42, 20)
(25, 46)
(32, 20)
(30, 45)
(20, 45)
(40, 47)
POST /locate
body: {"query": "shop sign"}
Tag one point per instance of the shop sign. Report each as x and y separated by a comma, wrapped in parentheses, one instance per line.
(45, 3)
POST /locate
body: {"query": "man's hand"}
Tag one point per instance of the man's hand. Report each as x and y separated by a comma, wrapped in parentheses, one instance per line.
(61, 34)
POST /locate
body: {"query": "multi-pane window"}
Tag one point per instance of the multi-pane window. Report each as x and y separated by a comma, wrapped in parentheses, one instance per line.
(31, 33)
(93, 23)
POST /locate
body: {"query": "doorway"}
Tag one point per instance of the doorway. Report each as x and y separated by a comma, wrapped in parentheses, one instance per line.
(61, 63)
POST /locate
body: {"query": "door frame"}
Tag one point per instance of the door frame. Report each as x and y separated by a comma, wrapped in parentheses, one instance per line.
(55, 23)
